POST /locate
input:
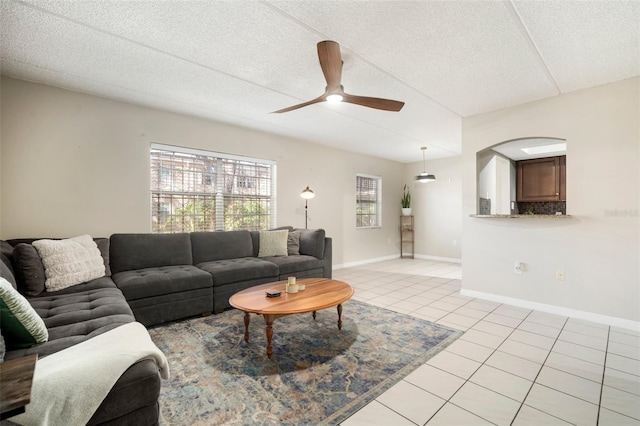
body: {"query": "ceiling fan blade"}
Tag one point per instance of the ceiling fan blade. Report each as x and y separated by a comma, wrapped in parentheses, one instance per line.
(331, 63)
(376, 103)
(304, 104)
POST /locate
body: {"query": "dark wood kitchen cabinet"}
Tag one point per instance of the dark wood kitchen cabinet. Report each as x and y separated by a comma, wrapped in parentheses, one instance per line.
(542, 179)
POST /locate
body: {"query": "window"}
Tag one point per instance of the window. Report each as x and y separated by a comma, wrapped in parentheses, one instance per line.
(368, 201)
(205, 191)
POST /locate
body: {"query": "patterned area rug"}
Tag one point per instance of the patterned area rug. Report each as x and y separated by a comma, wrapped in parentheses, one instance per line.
(317, 375)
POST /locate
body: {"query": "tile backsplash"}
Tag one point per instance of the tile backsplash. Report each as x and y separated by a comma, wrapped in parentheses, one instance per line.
(542, 207)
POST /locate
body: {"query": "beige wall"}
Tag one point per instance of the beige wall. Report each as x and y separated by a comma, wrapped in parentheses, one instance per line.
(437, 208)
(73, 163)
(599, 251)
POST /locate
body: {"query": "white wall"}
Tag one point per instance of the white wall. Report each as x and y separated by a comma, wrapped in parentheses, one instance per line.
(73, 163)
(496, 181)
(487, 178)
(598, 249)
(437, 207)
(503, 185)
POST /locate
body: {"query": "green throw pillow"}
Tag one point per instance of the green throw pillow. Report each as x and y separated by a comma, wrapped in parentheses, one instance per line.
(273, 243)
(21, 325)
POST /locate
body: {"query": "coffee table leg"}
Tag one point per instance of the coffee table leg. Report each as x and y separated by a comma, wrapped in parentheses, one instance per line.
(269, 320)
(314, 314)
(246, 326)
(339, 317)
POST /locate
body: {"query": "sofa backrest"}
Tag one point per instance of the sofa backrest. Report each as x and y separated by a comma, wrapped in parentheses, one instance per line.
(27, 267)
(139, 251)
(6, 269)
(210, 246)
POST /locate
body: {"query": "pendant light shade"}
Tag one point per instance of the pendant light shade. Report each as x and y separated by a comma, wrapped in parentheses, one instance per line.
(424, 176)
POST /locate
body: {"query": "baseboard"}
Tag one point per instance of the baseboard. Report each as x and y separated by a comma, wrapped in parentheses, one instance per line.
(366, 261)
(395, 256)
(553, 309)
(438, 258)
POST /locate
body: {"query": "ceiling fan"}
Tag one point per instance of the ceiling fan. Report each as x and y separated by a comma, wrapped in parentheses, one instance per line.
(331, 64)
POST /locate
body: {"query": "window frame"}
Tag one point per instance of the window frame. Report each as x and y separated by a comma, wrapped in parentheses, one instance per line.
(377, 202)
(215, 191)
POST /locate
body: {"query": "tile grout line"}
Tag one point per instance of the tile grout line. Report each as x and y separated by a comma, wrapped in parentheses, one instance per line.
(465, 380)
(567, 326)
(533, 382)
(604, 369)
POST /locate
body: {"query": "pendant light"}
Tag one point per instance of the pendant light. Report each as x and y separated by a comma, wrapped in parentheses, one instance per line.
(424, 176)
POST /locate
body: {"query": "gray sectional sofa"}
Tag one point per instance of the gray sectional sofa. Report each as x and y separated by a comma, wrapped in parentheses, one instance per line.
(153, 279)
(79, 313)
(166, 277)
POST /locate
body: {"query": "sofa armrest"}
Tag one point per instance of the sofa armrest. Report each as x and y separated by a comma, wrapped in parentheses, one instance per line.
(327, 262)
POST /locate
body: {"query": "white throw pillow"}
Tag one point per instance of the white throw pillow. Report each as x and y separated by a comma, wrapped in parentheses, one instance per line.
(69, 262)
(273, 243)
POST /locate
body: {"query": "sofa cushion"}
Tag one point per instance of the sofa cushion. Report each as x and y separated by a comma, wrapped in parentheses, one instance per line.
(78, 313)
(312, 242)
(6, 271)
(255, 240)
(19, 322)
(151, 282)
(69, 262)
(273, 243)
(289, 265)
(6, 250)
(242, 269)
(210, 246)
(29, 270)
(139, 251)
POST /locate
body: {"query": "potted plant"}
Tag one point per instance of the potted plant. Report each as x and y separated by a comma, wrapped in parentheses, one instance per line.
(406, 201)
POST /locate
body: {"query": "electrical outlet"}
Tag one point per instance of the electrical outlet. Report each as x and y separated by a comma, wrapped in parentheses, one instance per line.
(560, 275)
(455, 243)
(518, 267)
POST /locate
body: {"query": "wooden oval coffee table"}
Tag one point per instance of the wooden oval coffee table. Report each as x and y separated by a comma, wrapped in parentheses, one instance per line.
(320, 293)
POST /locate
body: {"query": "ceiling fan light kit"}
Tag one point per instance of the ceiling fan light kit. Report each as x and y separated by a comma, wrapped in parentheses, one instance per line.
(331, 64)
(334, 99)
(424, 177)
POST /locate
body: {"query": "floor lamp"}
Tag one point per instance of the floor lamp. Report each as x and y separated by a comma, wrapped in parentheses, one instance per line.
(306, 193)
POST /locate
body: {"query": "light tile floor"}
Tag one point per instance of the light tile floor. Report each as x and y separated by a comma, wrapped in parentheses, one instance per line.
(512, 366)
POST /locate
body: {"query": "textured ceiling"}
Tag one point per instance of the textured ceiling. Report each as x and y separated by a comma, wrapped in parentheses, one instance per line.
(236, 61)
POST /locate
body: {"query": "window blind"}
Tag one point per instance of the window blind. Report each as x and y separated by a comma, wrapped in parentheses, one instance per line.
(195, 190)
(368, 201)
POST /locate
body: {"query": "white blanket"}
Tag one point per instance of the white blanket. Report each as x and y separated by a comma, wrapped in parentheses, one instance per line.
(69, 386)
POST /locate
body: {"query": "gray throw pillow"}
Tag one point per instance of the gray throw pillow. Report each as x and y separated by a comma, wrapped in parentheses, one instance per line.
(293, 243)
(103, 246)
(28, 269)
